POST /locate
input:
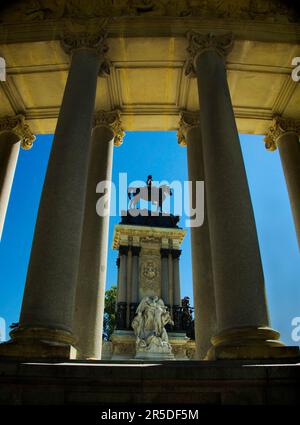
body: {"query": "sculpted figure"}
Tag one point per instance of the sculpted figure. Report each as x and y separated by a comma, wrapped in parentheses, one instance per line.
(149, 326)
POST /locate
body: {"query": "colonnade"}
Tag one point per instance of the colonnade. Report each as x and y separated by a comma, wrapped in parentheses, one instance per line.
(63, 299)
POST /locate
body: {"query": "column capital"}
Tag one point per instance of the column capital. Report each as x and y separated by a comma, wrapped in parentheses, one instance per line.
(111, 119)
(279, 127)
(175, 253)
(136, 250)
(199, 43)
(72, 40)
(17, 125)
(187, 121)
(164, 252)
(123, 249)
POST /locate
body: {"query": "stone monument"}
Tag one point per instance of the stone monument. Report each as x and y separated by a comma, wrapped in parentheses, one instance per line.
(149, 311)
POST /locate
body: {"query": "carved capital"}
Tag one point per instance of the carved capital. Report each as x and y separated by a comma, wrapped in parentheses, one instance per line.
(187, 121)
(123, 249)
(279, 127)
(164, 252)
(136, 250)
(112, 120)
(74, 40)
(175, 253)
(18, 126)
(199, 43)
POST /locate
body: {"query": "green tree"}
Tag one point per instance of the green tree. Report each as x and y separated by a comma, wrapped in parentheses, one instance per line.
(109, 321)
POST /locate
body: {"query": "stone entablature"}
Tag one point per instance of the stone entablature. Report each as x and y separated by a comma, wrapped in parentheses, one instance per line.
(145, 234)
(261, 10)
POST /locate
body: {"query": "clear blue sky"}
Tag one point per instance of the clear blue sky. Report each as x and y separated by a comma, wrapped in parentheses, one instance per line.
(158, 153)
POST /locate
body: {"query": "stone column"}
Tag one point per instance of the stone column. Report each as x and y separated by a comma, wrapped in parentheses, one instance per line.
(170, 280)
(205, 320)
(134, 281)
(128, 287)
(177, 311)
(165, 276)
(176, 277)
(90, 294)
(47, 311)
(284, 134)
(118, 280)
(14, 132)
(122, 289)
(243, 323)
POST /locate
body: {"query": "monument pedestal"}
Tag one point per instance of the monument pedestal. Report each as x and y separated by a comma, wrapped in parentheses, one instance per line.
(124, 347)
(148, 296)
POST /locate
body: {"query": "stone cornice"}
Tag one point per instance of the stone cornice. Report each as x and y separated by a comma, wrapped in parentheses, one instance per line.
(111, 119)
(18, 126)
(187, 121)
(199, 43)
(279, 127)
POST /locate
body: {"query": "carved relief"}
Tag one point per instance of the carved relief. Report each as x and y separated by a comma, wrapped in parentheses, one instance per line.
(259, 10)
(150, 276)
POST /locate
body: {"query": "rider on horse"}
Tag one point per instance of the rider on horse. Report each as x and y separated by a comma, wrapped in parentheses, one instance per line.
(149, 185)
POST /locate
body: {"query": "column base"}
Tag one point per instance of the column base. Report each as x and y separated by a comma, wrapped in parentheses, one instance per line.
(250, 343)
(39, 343)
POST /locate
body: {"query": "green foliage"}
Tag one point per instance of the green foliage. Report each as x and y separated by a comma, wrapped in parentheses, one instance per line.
(109, 321)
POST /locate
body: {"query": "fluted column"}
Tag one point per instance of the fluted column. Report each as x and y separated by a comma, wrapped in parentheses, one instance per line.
(189, 135)
(90, 294)
(284, 134)
(238, 277)
(14, 133)
(48, 302)
(122, 288)
(134, 282)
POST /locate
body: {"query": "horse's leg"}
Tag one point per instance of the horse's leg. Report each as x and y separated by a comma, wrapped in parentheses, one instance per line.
(136, 199)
